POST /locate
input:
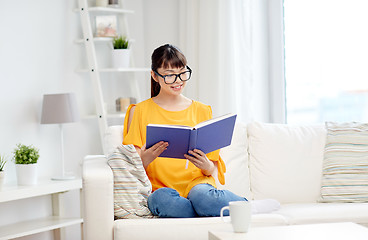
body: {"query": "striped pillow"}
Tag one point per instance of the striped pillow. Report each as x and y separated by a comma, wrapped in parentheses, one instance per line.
(345, 165)
(131, 184)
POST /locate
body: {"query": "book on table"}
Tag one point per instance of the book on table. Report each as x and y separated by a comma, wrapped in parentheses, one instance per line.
(206, 136)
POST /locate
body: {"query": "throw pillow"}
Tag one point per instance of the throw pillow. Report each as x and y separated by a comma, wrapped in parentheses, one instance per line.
(345, 165)
(131, 184)
(285, 161)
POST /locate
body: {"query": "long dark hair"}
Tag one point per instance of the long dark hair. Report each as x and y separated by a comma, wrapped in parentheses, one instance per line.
(165, 56)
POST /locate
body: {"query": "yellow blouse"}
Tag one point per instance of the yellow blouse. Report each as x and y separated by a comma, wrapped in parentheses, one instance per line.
(170, 172)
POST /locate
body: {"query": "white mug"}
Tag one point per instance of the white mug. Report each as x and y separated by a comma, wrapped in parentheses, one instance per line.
(240, 215)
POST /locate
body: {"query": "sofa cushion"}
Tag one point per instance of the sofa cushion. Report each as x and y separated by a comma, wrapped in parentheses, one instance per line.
(324, 213)
(345, 165)
(113, 138)
(235, 157)
(131, 184)
(285, 161)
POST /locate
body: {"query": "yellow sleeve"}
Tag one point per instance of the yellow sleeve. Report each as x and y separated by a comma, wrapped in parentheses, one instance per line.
(215, 156)
(134, 135)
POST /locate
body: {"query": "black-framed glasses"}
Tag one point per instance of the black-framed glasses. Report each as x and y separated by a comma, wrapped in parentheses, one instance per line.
(171, 78)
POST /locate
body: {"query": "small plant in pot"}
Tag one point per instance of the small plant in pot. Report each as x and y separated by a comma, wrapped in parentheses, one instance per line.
(120, 52)
(3, 161)
(25, 158)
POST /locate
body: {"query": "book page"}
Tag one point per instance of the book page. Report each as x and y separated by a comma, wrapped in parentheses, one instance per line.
(170, 126)
(207, 122)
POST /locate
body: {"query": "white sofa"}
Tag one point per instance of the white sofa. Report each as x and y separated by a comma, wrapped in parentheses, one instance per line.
(264, 161)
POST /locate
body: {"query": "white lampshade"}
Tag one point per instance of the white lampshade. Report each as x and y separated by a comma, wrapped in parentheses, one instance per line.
(59, 108)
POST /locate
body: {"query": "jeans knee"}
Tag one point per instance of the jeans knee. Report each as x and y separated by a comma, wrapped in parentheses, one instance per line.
(161, 196)
(208, 201)
(205, 193)
(166, 202)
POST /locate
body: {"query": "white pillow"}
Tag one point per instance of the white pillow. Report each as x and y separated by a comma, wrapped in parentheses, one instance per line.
(285, 161)
(113, 138)
(235, 157)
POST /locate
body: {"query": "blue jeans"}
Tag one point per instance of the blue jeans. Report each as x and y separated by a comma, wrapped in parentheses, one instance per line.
(203, 201)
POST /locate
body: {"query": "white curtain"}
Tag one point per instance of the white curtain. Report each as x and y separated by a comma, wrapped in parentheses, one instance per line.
(220, 43)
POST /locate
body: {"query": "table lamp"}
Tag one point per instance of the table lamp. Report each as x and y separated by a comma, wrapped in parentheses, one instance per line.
(60, 109)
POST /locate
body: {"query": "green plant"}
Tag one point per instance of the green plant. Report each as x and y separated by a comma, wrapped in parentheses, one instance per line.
(120, 42)
(25, 154)
(2, 162)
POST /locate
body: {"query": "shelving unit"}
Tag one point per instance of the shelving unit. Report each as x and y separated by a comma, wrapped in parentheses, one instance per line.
(102, 70)
(55, 222)
(97, 73)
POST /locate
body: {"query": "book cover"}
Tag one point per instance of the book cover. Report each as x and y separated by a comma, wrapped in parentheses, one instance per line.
(206, 136)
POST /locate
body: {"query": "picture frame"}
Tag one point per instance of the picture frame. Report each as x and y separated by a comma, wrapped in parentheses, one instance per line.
(106, 26)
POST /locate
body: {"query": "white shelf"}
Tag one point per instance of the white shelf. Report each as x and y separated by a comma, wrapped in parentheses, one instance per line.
(99, 73)
(14, 192)
(107, 10)
(101, 40)
(109, 115)
(26, 228)
(125, 70)
(96, 39)
(110, 70)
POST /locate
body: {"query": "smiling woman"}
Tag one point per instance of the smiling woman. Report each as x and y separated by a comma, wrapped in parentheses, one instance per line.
(179, 190)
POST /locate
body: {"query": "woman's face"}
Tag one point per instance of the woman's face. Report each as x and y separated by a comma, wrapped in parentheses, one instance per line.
(174, 85)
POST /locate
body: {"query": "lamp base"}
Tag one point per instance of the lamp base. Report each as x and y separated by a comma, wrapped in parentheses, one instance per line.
(63, 178)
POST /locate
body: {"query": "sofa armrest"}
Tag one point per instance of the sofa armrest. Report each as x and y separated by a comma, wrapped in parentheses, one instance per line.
(98, 198)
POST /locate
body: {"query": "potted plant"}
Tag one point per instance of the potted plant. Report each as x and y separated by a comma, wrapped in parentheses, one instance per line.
(25, 158)
(2, 173)
(120, 52)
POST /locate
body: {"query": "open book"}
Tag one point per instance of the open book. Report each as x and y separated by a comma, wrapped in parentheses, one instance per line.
(206, 136)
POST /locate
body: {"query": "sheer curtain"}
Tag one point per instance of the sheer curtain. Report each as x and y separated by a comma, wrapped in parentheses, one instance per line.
(218, 38)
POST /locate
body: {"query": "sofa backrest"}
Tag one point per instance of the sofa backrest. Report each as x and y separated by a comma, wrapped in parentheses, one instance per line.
(285, 161)
(113, 137)
(267, 160)
(235, 157)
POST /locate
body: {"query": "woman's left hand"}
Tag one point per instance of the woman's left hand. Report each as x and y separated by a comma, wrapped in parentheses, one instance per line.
(200, 160)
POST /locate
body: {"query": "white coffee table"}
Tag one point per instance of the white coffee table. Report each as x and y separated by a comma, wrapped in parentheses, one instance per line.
(324, 231)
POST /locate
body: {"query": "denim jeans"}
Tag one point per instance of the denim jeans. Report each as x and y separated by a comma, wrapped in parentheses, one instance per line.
(203, 201)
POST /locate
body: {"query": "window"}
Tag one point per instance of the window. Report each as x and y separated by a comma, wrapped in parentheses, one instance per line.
(326, 60)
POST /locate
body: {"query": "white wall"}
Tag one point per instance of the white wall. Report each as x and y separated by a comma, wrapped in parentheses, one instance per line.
(38, 56)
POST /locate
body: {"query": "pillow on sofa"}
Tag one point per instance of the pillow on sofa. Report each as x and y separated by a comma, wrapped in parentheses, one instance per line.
(285, 161)
(131, 184)
(113, 138)
(235, 157)
(345, 165)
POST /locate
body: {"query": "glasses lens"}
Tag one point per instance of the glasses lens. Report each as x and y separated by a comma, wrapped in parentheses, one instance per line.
(170, 78)
(185, 76)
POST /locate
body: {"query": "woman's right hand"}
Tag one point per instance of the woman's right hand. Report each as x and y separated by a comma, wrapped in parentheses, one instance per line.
(150, 154)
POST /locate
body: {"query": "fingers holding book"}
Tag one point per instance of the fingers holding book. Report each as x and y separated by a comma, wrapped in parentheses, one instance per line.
(150, 154)
(200, 160)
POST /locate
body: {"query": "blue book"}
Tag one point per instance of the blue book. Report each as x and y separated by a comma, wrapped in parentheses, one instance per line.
(206, 136)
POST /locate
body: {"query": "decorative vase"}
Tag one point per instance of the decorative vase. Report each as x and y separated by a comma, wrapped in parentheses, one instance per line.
(101, 3)
(2, 176)
(113, 3)
(120, 58)
(26, 174)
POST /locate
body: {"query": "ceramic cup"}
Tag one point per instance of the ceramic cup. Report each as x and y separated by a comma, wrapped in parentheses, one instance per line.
(240, 215)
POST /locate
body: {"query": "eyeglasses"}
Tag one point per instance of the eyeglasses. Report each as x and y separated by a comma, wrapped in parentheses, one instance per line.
(171, 78)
